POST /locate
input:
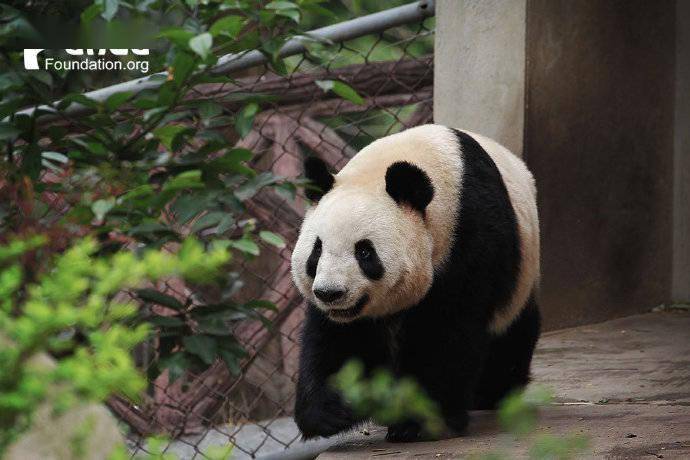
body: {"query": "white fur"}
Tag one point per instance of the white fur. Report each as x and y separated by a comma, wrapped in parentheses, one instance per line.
(358, 207)
(410, 248)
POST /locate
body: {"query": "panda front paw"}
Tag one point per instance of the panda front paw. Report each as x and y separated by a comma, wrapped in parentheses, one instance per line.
(458, 423)
(407, 431)
(324, 418)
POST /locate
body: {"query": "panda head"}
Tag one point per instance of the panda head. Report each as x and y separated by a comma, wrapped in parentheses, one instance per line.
(365, 250)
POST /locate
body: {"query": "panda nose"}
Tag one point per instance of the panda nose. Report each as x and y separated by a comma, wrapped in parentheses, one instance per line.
(329, 295)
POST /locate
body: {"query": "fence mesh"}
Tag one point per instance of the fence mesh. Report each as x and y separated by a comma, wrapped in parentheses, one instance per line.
(393, 72)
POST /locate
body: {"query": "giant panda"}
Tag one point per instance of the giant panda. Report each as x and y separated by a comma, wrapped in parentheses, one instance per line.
(420, 256)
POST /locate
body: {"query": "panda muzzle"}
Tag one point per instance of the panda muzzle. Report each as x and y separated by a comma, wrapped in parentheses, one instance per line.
(352, 312)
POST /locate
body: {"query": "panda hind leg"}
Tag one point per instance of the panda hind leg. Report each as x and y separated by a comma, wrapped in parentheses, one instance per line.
(507, 367)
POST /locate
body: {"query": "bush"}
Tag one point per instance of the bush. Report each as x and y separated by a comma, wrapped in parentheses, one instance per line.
(145, 170)
(73, 311)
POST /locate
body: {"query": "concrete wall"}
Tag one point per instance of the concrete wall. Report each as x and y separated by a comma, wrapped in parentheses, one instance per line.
(594, 113)
(681, 166)
(599, 133)
(479, 67)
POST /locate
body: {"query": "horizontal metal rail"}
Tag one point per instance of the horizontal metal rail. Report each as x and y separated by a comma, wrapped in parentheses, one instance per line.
(230, 63)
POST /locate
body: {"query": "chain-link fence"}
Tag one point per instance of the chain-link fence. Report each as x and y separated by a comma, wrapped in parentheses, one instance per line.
(392, 71)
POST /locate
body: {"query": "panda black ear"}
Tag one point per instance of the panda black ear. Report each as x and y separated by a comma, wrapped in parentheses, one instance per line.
(408, 184)
(317, 172)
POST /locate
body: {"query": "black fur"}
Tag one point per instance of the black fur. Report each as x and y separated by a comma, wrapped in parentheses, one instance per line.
(507, 365)
(317, 172)
(443, 342)
(326, 346)
(368, 260)
(314, 256)
(408, 184)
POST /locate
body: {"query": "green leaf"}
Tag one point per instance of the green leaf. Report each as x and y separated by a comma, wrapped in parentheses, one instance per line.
(341, 89)
(139, 191)
(42, 76)
(166, 321)
(101, 207)
(231, 360)
(287, 190)
(208, 220)
(272, 239)
(214, 326)
(154, 296)
(229, 26)
(209, 109)
(232, 162)
(253, 185)
(169, 135)
(273, 46)
(238, 154)
(176, 364)
(149, 114)
(13, 25)
(150, 227)
(290, 13)
(8, 131)
(116, 100)
(201, 44)
(55, 156)
(185, 180)
(188, 206)
(49, 157)
(90, 13)
(223, 311)
(109, 7)
(219, 452)
(264, 304)
(203, 346)
(246, 246)
(31, 161)
(245, 119)
(78, 99)
(182, 67)
(177, 35)
(281, 5)
(225, 224)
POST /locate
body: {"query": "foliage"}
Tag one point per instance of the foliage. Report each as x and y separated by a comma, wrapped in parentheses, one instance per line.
(518, 413)
(155, 450)
(146, 170)
(388, 400)
(73, 311)
(385, 399)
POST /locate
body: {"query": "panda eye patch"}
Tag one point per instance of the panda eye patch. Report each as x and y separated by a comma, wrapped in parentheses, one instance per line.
(363, 253)
(313, 260)
(368, 260)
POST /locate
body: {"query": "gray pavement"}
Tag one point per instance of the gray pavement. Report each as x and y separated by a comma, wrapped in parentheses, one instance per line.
(625, 384)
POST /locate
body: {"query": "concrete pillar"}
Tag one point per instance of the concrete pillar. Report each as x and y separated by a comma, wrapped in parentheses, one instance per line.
(595, 97)
(681, 166)
(479, 65)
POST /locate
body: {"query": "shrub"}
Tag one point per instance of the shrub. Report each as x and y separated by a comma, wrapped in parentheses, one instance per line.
(73, 311)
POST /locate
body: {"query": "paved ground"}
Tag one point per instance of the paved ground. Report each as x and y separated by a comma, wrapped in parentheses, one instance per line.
(625, 384)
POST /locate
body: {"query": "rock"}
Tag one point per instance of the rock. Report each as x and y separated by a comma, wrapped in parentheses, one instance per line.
(87, 432)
